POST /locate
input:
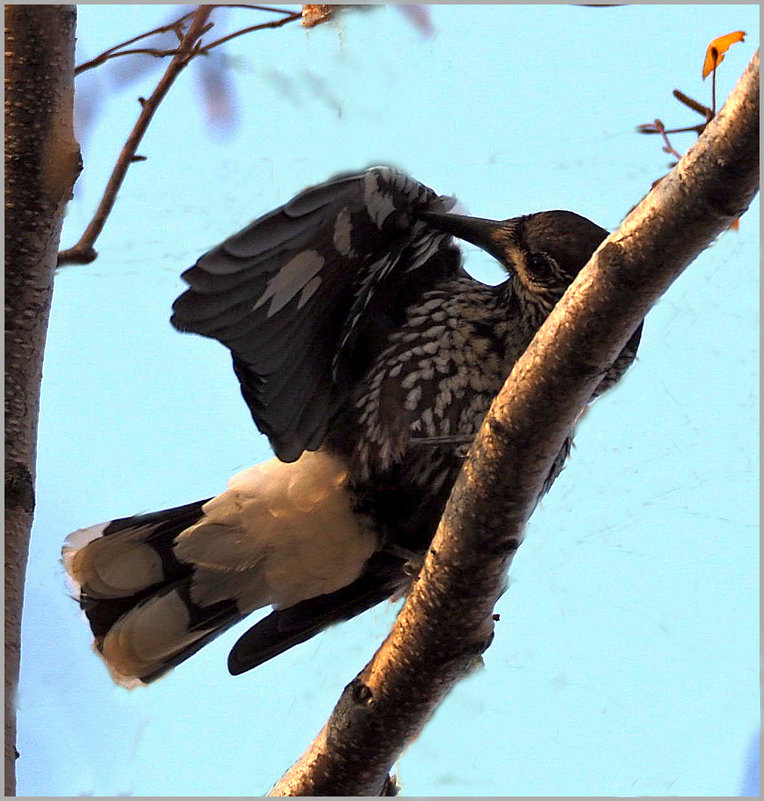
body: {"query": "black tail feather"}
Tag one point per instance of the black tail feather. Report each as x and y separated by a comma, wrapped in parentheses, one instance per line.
(283, 628)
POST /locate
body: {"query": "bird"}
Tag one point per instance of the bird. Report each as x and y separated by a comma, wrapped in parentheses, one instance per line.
(368, 356)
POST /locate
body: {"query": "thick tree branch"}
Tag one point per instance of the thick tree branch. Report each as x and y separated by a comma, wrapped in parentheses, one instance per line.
(41, 164)
(447, 619)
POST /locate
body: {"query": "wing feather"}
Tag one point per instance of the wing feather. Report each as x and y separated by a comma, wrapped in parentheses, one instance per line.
(293, 293)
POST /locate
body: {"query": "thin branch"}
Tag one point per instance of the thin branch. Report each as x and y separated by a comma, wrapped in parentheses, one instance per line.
(698, 129)
(272, 24)
(202, 50)
(117, 52)
(658, 127)
(111, 52)
(190, 46)
(704, 111)
(668, 147)
(150, 51)
(256, 8)
(447, 618)
(83, 252)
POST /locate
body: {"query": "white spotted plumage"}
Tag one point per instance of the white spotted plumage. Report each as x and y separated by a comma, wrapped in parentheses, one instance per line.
(432, 367)
(368, 357)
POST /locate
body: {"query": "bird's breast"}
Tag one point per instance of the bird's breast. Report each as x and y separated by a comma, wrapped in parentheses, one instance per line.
(435, 379)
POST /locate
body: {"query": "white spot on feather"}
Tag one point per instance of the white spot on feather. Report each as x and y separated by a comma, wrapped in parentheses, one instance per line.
(413, 398)
(149, 635)
(379, 204)
(342, 234)
(294, 276)
(308, 290)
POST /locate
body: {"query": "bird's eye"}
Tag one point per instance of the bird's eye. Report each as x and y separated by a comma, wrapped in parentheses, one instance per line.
(543, 269)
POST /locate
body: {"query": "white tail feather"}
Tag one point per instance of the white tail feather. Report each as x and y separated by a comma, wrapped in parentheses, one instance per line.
(290, 525)
(111, 567)
(281, 533)
(142, 640)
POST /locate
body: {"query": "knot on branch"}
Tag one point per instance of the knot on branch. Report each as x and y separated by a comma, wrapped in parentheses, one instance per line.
(19, 487)
(499, 429)
(504, 547)
(361, 692)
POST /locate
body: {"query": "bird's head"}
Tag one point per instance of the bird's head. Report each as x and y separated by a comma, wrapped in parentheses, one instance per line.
(544, 251)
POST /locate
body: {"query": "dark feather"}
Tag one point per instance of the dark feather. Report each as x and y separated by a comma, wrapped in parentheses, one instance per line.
(293, 293)
(284, 628)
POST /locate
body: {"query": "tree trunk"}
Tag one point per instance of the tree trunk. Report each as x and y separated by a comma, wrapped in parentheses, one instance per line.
(41, 164)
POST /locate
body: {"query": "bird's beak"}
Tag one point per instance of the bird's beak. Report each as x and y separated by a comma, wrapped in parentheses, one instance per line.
(481, 232)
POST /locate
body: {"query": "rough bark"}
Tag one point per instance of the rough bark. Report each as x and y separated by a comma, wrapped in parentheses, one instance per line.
(41, 164)
(447, 619)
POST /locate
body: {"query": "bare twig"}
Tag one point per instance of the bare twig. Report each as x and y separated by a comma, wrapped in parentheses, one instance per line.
(657, 127)
(447, 618)
(83, 252)
(277, 23)
(189, 47)
(256, 8)
(149, 51)
(117, 51)
(668, 147)
(704, 111)
(698, 129)
(112, 51)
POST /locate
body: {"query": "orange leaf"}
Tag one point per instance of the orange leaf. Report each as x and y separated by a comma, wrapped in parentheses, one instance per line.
(717, 49)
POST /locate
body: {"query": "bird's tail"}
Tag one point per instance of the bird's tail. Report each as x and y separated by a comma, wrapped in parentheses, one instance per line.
(157, 587)
(383, 576)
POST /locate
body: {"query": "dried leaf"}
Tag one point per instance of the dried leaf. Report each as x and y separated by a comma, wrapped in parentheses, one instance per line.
(717, 49)
(313, 15)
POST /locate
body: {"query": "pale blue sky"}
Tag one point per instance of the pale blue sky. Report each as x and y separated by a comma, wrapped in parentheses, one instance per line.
(626, 658)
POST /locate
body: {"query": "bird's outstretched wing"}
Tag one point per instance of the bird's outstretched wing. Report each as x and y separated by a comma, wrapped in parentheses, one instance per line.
(302, 296)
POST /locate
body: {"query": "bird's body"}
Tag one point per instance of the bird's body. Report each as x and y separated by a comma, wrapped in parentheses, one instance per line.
(369, 357)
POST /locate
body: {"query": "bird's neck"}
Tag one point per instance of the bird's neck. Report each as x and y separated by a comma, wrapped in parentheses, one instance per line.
(527, 306)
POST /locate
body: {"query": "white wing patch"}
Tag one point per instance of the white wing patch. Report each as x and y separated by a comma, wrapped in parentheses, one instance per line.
(342, 234)
(308, 290)
(379, 204)
(295, 276)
